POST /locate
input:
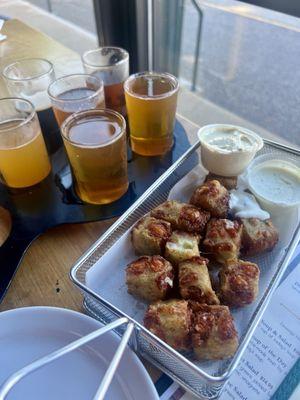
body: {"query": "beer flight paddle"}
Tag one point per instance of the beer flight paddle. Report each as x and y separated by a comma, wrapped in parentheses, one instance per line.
(54, 202)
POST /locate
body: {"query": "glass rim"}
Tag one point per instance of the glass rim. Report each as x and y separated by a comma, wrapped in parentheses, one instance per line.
(29, 118)
(97, 111)
(91, 96)
(89, 64)
(38, 76)
(156, 96)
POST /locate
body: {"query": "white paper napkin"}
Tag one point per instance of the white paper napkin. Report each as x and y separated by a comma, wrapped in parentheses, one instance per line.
(2, 37)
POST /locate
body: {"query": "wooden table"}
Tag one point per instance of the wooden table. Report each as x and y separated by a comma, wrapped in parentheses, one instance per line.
(43, 276)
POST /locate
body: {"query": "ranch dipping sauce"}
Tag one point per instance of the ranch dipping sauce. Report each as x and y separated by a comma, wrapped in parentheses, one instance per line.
(274, 179)
(244, 205)
(229, 140)
(277, 181)
(227, 150)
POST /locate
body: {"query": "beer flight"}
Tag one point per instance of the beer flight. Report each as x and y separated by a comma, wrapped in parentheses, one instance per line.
(90, 110)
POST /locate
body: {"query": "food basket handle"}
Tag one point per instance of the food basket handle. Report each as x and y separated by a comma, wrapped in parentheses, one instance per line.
(13, 379)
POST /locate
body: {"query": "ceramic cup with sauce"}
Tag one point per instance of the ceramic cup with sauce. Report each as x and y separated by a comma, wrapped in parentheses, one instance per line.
(227, 150)
(274, 179)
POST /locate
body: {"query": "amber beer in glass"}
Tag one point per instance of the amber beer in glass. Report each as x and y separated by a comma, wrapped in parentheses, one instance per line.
(151, 100)
(24, 160)
(95, 142)
(73, 93)
(110, 64)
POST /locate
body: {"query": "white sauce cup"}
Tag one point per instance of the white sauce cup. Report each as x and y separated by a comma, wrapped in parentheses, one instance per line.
(284, 213)
(227, 162)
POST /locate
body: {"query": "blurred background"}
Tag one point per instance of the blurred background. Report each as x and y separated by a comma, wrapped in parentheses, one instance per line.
(238, 62)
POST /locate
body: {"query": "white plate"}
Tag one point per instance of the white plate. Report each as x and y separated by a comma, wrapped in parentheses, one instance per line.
(29, 333)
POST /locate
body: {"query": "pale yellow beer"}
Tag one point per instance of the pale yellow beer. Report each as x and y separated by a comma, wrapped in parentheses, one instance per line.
(24, 160)
(95, 142)
(151, 100)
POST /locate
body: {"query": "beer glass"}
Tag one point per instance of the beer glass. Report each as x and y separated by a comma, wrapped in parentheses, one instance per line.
(73, 93)
(111, 64)
(95, 143)
(24, 160)
(29, 78)
(151, 100)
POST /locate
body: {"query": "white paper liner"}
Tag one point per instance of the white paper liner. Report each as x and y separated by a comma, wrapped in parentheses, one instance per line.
(107, 276)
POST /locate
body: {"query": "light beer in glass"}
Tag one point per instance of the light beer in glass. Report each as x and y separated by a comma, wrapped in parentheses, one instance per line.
(151, 100)
(95, 142)
(24, 160)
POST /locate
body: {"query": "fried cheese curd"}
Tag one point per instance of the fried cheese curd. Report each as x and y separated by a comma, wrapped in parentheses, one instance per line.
(182, 216)
(239, 283)
(213, 332)
(212, 197)
(194, 281)
(230, 182)
(223, 239)
(171, 321)
(149, 278)
(258, 236)
(149, 236)
(182, 246)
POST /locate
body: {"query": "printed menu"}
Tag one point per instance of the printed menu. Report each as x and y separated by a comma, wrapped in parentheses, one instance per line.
(274, 348)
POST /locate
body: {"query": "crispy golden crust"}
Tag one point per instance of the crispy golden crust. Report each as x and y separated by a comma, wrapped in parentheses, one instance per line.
(213, 333)
(149, 236)
(223, 239)
(181, 216)
(149, 278)
(182, 246)
(229, 182)
(194, 281)
(170, 321)
(239, 283)
(258, 236)
(212, 197)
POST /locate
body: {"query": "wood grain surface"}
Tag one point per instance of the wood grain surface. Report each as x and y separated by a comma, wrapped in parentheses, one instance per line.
(43, 276)
(25, 42)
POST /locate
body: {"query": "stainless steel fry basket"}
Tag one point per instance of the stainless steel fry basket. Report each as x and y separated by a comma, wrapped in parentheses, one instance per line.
(197, 379)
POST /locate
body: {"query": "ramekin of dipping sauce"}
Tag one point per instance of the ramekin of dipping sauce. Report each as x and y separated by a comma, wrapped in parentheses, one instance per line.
(274, 179)
(227, 150)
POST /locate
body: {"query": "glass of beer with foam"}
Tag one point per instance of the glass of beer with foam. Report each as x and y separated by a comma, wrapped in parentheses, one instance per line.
(24, 160)
(151, 100)
(95, 142)
(73, 93)
(111, 64)
(29, 79)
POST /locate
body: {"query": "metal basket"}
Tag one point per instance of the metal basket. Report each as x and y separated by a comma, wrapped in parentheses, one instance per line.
(181, 369)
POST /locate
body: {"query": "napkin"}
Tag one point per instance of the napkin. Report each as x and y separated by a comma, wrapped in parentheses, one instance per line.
(2, 37)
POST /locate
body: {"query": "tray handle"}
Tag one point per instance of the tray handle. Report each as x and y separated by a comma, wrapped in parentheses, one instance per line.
(13, 379)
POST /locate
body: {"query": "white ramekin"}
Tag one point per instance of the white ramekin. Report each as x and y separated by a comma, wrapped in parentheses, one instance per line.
(224, 163)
